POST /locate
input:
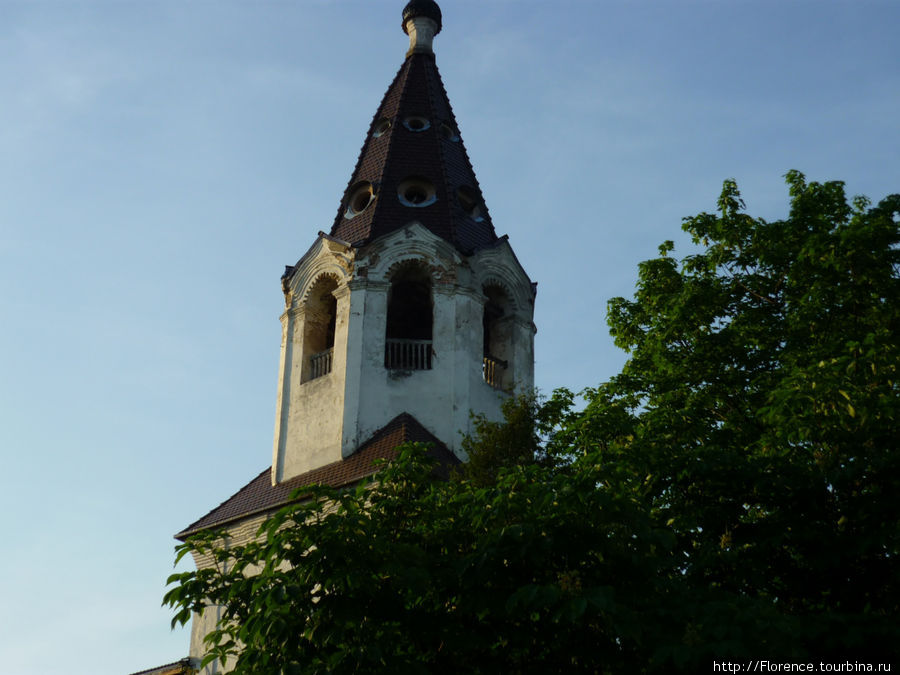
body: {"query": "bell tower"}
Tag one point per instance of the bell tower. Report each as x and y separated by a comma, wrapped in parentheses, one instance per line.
(410, 303)
(406, 315)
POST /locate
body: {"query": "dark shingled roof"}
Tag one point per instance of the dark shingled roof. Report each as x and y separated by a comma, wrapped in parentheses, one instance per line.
(436, 154)
(175, 668)
(260, 496)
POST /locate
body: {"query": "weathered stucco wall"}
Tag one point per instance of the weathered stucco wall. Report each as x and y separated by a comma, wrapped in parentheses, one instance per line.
(307, 430)
(324, 419)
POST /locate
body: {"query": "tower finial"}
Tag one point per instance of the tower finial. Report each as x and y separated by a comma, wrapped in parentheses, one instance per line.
(421, 21)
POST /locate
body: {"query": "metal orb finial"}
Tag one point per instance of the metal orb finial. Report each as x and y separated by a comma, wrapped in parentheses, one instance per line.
(422, 8)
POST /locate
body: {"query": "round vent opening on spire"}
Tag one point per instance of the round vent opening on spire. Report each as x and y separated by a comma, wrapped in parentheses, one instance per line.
(382, 126)
(416, 123)
(448, 132)
(361, 195)
(417, 192)
(468, 200)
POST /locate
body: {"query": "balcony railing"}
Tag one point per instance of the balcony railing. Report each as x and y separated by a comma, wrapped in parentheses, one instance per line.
(492, 369)
(320, 364)
(403, 354)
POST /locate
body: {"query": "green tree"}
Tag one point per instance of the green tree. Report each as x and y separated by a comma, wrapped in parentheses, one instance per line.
(518, 440)
(731, 493)
(415, 574)
(757, 419)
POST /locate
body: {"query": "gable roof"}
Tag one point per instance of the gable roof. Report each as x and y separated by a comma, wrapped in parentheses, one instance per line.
(260, 496)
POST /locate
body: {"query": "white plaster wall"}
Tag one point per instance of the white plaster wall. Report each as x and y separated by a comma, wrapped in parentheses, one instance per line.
(443, 397)
(308, 426)
(323, 420)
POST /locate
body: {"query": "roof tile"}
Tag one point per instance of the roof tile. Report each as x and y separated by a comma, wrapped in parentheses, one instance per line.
(174, 668)
(259, 495)
(399, 153)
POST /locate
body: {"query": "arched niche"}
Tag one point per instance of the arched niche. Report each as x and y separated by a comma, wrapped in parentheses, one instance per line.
(498, 348)
(319, 322)
(410, 318)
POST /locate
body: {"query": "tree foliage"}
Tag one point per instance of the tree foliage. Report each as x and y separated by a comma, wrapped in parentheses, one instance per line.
(732, 493)
(757, 415)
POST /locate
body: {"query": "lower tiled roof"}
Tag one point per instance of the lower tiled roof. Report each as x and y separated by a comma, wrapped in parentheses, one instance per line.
(175, 668)
(260, 496)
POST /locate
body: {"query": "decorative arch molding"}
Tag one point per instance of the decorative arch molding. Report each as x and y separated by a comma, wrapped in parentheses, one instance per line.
(327, 275)
(317, 264)
(504, 272)
(410, 261)
(503, 285)
(413, 242)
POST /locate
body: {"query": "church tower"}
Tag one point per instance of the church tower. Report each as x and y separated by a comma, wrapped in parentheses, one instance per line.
(406, 316)
(410, 303)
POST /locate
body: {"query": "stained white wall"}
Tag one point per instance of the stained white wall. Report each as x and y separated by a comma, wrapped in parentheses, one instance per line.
(307, 424)
(323, 420)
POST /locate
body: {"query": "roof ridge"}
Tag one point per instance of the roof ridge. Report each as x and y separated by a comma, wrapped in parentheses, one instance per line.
(261, 496)
(442, 152)
(185, 665)
(388, 152)
(361, 155)
(193, 525)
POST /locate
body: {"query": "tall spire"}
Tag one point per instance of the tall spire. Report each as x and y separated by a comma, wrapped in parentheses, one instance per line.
(413, 166)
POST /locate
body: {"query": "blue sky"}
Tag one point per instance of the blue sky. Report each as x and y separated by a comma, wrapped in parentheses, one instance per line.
(160, 163)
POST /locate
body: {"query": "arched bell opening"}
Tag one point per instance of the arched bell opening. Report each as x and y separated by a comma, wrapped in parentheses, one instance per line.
(410, 318)
(320, 320)
(497, 340)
